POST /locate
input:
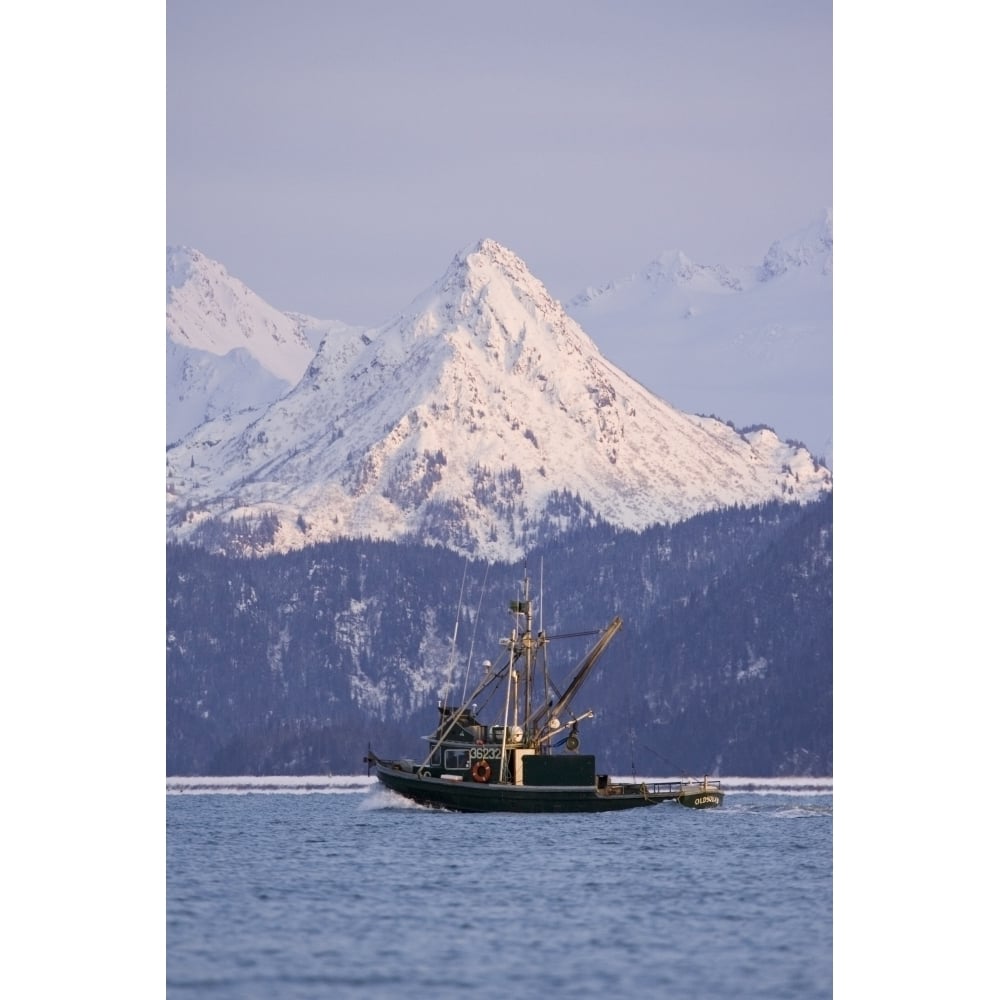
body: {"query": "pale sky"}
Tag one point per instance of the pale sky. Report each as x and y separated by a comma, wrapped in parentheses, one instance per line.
(335, 156)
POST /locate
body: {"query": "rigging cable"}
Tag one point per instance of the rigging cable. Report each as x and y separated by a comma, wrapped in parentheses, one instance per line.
(678, 770)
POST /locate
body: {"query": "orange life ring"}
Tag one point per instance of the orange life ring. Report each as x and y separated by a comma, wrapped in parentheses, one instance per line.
(481, 771)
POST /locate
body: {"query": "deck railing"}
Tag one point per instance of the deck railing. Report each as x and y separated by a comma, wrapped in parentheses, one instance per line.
(691, 785)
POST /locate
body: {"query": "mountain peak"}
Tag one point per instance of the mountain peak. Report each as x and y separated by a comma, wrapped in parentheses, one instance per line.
(181, 262)
(489, 300)
(750, 343)
(228, 351)
(483, 419)
(489, 251)
(809, 247)
(671, 265)
(486, 260)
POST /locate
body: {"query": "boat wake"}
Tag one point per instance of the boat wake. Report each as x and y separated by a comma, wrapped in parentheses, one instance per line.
(381, 798)
(780, 786)
(270, 785)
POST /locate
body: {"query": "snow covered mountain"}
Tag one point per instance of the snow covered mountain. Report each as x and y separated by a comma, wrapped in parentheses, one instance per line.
(750, 345)
(229, 353)
(483, 419)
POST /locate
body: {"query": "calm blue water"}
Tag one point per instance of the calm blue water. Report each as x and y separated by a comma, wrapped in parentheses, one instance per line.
(356, 894)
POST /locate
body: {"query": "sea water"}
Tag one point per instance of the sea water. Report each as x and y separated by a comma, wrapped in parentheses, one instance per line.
(305, 888)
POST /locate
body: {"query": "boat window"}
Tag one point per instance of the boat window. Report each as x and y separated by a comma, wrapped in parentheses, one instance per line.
(436, 758)
(456, 760)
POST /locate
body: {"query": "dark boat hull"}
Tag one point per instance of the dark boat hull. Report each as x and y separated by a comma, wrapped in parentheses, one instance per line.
(470, 796)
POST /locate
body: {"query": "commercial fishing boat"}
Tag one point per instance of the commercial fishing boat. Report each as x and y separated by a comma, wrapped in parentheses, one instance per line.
(527, 759)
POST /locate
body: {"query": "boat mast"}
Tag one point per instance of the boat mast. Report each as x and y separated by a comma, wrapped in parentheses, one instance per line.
(582, 671)
(528, 646)
(518, 648)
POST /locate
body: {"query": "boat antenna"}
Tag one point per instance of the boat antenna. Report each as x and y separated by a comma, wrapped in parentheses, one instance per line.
(628, 716)
(541, 594)
(475, 628)
(454, 635)
(547, 686)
